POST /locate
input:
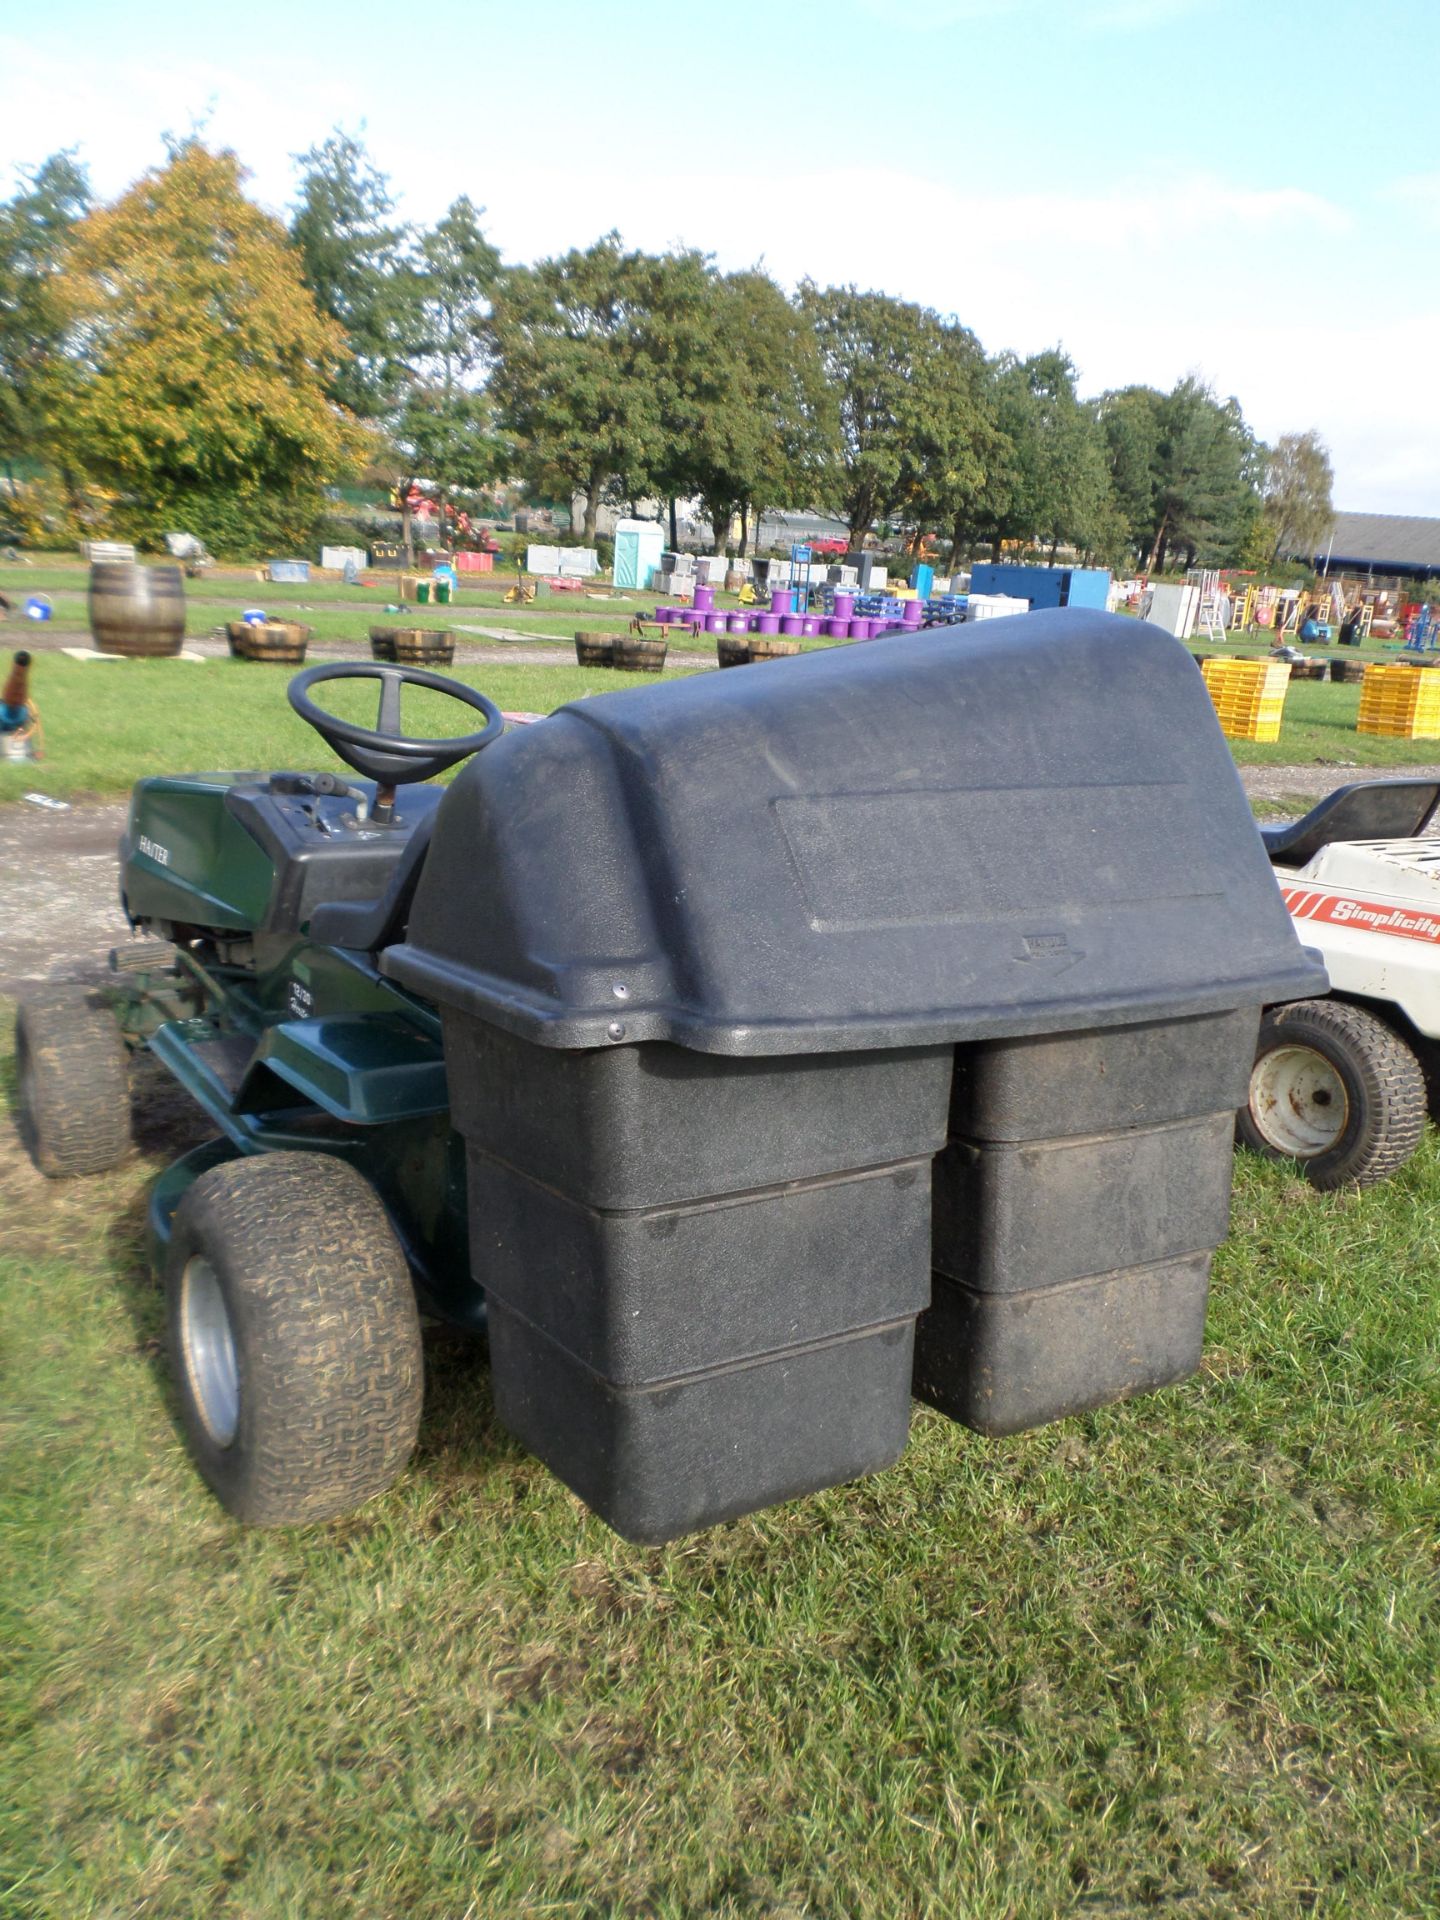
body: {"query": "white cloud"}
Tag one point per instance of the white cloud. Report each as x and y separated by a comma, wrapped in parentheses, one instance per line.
(116, 116)
(1417, 194)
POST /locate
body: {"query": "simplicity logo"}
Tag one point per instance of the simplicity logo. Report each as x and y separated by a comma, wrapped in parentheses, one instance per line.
(1369, 915)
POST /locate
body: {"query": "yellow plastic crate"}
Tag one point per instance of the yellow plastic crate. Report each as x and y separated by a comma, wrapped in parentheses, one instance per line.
(1248, 696)
(1400, 703)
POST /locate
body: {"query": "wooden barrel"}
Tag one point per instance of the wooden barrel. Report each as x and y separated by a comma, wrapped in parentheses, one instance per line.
(634, 655)
(734, 579)
(423, 646)
(135, 610)
(382, 643)
(733, 649)
(280, 643)
(1347, 670)
(595, 649)
(764, 646)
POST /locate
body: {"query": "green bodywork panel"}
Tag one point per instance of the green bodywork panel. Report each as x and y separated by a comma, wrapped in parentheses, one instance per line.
(366, 1071)
(287, 1045)
(188, 859)
(361, 1074)
(301, 1047)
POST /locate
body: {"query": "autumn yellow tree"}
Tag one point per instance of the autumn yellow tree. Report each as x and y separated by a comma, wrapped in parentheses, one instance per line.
(196, 369)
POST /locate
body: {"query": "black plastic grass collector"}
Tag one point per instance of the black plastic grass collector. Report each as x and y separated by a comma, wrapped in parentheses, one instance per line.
(725, 964)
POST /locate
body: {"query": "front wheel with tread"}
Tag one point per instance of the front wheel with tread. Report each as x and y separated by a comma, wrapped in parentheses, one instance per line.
(74, 1073)
(294, 1337)
(1336, 1090)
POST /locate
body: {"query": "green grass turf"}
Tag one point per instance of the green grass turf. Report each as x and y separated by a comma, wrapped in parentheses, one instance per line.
(107, 723)
(1176, 1656)
(338, 612)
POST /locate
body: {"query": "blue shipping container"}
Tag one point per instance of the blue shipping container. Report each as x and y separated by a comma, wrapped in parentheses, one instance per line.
(1045, 586)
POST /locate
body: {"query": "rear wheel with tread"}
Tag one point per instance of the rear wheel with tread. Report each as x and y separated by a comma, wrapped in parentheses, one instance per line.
(1335, 1089)
(294, 1337)
(74, 1073)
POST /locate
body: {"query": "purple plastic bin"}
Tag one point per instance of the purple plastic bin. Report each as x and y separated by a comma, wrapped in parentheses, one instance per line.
(914, 614)
(782, 601)
(715, 623)
(791, 623)
(837, 629)
(666, 616)
(767, 623)
(811, 625)
(704, 599)
(862, 629)
(844, 605)
(739, 622)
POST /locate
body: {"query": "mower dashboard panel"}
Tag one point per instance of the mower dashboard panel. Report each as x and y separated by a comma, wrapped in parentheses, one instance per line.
(320, 848)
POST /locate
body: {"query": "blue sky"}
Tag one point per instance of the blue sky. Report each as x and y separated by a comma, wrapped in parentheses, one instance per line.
(1163, 186)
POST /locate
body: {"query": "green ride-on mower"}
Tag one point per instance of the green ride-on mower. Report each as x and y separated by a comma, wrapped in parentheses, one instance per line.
(335, 1177)
(647, 1045)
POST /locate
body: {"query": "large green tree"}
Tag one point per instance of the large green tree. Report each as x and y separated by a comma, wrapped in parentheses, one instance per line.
(357, 264)
(1184, 467)
(747, 416)
(887, 363)
(197, 370)
(574, 377)
(1029, 480)
(1207, 470)
(945, 469)
(36, 227)
(1130, 421)
(441, 430)
(1296, 500)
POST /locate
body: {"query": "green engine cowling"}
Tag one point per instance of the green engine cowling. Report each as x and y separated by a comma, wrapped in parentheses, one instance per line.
(185, 859)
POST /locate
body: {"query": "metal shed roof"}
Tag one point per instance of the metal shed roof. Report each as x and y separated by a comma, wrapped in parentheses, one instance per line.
(1382, 543)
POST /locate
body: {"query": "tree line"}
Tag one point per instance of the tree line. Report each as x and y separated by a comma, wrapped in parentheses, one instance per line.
(182, 359)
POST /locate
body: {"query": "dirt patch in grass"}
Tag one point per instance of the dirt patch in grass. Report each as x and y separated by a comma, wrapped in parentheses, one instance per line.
(59, 892)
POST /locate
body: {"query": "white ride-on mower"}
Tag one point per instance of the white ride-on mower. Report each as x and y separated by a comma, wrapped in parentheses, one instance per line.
(1340, 1084)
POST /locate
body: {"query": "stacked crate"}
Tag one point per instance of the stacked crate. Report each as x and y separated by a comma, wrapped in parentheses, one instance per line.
(1249, 696)
(1400, 703)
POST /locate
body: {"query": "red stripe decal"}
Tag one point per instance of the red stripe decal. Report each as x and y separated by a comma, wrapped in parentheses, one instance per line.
(1368, 916)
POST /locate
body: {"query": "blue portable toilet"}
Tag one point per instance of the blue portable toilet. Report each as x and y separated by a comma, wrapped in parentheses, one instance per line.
(923, 579)
(638, 547)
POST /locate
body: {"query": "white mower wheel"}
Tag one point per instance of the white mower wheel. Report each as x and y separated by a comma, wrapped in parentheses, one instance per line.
(1335, 1090)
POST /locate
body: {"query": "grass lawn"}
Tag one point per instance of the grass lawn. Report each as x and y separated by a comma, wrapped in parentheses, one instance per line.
(1181, 1655)
(338, 612)
(1319, 726)
(107, 723)
(1178, 1655)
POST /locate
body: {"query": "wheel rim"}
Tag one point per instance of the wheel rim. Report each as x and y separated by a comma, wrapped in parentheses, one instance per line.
(209, 1347)
(1298, 1102)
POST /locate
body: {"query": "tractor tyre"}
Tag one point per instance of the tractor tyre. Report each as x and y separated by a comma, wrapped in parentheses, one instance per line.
(294, 1337)
(1335, 1090)
(74, 1074)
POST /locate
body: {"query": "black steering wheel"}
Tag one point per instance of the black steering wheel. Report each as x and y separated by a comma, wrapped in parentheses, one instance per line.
(384, 754)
